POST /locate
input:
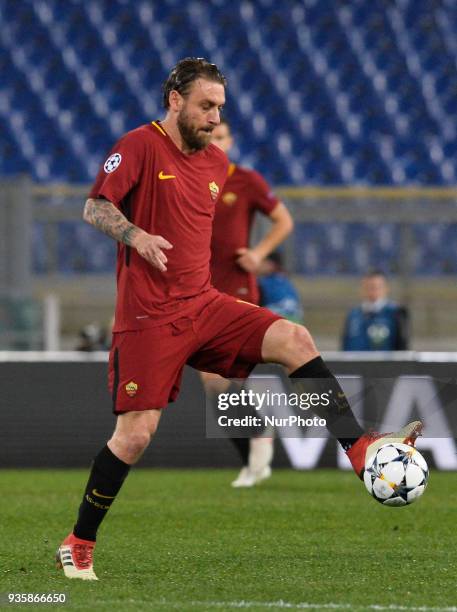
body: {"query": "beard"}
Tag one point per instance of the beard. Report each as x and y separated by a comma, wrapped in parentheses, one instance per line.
(194, 139)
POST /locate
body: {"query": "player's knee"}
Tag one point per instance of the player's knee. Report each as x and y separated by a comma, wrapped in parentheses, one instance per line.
(298, 344)
(138, 441)
(131, 445)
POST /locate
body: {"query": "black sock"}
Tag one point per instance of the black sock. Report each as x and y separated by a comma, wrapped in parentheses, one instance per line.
(242, 446)
(105, 480)
(341, 421)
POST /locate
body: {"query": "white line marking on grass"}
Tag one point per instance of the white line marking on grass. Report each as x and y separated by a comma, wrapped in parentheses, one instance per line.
(314, 606)
(283, 605)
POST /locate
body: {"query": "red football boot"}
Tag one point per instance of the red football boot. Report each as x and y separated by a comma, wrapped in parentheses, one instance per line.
(74, 556)
(369, 443)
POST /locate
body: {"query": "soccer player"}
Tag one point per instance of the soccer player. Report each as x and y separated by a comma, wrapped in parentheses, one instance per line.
(155, 195)
(233, 270)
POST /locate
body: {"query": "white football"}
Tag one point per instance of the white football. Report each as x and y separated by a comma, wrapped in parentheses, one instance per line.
(396, 474)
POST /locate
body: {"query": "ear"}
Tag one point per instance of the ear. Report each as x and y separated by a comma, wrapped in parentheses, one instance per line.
(175, 100)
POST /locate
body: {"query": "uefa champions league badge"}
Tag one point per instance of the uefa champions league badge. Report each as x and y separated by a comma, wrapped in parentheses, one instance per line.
(112, 162)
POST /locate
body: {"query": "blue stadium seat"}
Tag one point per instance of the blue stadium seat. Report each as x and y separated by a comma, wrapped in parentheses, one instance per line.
(88, 253)
(352, 70)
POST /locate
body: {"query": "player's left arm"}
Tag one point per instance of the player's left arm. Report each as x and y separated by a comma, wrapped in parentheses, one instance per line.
(282, 225)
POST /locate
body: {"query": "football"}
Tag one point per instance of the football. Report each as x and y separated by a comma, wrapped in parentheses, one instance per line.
(396, 474)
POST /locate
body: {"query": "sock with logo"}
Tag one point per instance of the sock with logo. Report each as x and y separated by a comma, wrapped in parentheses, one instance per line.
(105, 480)
(341, 421)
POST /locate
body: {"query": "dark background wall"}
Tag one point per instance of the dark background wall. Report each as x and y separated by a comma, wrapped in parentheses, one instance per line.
(59, 415)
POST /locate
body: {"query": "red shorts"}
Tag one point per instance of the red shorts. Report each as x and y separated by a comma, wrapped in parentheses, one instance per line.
(224, 336)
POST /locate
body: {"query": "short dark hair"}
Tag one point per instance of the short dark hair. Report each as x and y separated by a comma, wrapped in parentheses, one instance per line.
(277, 258)
(186, 72)
(375, 272)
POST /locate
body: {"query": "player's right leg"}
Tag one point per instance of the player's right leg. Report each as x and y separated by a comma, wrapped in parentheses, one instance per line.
(258, 467)
(109, 470)
(256, 453)
(214, 385)
(292, 346)
(243, 335)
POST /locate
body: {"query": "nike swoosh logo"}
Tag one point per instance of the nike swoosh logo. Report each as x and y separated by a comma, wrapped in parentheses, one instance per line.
(163, 176)
(95, 492)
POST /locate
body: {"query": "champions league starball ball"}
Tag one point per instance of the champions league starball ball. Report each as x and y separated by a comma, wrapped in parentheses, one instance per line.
(396, 474)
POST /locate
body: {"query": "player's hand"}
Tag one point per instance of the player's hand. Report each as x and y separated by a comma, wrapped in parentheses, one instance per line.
(151, 248)
(248, 259)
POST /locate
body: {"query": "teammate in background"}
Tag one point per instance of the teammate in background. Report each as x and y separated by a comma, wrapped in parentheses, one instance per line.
(233, 270)
(377, 324)
(155, 195)
(234, 264)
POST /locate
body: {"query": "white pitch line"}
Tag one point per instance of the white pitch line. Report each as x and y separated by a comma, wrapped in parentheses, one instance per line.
(279, 605)
(284, 605)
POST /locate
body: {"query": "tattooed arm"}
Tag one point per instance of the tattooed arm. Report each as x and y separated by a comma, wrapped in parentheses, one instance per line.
(108, 219)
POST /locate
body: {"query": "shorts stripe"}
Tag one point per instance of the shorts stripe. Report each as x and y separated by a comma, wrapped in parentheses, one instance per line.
(116, 377)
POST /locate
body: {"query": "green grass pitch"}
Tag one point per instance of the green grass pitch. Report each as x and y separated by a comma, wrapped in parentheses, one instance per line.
(185, 540)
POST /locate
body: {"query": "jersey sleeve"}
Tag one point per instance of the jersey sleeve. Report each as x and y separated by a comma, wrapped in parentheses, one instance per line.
(262, 196)
(122, 169)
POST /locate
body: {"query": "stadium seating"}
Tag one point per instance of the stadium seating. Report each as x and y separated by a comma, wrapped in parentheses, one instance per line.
(357, 92)
(319, 93)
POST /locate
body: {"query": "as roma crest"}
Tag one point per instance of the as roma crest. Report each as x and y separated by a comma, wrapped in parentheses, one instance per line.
(214, 190)
(131, 388)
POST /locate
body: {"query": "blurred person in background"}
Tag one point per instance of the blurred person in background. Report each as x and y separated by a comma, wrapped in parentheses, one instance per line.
(234, 265)
(377, 324)
(94, 337)
(277, 292)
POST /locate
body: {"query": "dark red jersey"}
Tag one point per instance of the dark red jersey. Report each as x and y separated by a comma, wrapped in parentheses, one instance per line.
(168, 193)
(244, 193)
